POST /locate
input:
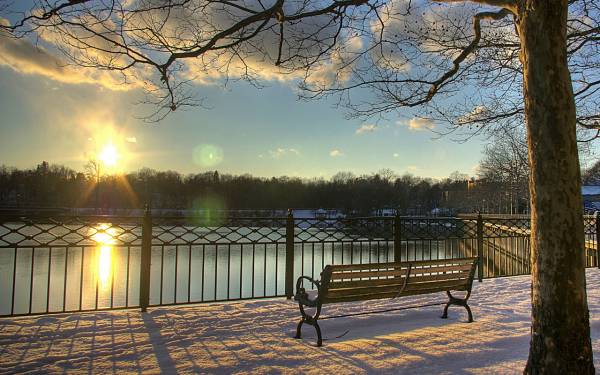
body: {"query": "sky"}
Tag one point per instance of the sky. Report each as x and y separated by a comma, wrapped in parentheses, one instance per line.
(63, 116)
(264, 132)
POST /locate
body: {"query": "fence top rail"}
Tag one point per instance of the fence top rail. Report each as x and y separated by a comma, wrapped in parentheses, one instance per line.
(65, 217)
(107, 218)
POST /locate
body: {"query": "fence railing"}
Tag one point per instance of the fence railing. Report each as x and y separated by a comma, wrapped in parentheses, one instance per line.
(53, 264)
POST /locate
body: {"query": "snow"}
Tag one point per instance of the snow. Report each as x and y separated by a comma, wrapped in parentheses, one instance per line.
(256, 337)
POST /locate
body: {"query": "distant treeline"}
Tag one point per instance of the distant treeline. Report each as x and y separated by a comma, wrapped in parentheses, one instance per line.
(58, 186)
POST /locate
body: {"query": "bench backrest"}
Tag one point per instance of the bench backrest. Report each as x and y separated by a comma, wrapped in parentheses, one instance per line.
(359, 282)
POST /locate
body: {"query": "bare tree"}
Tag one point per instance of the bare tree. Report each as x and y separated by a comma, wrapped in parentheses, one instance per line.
(92, 171)
(591, 176)
(387, 174)
(534, 60)
(505, 164)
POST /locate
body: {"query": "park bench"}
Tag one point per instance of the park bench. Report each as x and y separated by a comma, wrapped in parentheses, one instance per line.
(361, 282)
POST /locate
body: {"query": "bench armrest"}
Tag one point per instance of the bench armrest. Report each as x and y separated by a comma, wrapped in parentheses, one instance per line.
(302, 297)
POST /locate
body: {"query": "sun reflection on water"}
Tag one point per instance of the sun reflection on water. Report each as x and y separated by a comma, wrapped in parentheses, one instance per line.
(104, 237)
(104, 267)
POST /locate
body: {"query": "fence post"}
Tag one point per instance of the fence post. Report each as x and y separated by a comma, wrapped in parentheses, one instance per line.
(479, 247)
(289, 255)
(598, 239)
(145, 260)
(397, 239)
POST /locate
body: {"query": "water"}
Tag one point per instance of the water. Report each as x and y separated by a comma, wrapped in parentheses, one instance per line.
(101, 266)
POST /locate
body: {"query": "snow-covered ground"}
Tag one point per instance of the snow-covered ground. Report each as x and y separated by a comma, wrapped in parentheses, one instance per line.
(256, 337)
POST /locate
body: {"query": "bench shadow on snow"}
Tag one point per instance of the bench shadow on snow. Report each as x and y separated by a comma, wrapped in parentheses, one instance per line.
(373, 325)
(416, 333)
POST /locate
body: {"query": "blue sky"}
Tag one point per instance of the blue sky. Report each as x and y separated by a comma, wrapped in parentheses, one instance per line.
(265, 132)
(49, 114)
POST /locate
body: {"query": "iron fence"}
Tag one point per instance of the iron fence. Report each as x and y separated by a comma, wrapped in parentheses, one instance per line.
(55, 264)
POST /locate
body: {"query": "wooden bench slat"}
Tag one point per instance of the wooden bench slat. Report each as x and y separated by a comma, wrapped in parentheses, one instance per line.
(442, 276)
(359, 275)
(362, 297)
(366, 266)
(433, 262)
(427, 291)
(375, 266)
(428, 270)
(441, 285)
(365, 283)
(366, 290)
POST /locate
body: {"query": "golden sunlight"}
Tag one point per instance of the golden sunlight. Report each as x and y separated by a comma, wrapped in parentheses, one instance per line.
(104, 267)
(104, 237)
(109, 155)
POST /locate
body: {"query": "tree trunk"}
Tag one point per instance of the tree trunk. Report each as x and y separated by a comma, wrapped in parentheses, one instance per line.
(560, 332)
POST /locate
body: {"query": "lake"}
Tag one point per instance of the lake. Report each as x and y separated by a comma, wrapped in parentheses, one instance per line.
(84, 267)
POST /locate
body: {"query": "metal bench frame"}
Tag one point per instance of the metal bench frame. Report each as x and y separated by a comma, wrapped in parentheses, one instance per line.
(304, 300)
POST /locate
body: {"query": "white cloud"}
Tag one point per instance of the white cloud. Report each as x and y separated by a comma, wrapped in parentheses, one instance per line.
(477, 113)
(338, 68)
(131, 139)
(418, 124)
(366, 128)
(412, 168)
(281, 152)
(335, 153)
(396, 155)
(26, 58)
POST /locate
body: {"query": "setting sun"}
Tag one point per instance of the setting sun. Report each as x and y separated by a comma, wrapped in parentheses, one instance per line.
(109, 155)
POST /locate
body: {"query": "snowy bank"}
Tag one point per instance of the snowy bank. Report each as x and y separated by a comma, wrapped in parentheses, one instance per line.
(256, 337)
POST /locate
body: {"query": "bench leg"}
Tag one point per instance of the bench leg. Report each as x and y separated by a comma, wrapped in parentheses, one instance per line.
(319, 338)
(445, 314)
(299, 330)
(312, 322)
(469, 312)
(459, 302)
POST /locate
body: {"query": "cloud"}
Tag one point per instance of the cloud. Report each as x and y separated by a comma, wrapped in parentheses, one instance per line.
(335, 153)
(479, 112)
(417, 124)
(338, 68)
(183, 28)
(412, 168)
(131, 139)
(366, 128)
(281, 152)
(396, 155)
(24, 57)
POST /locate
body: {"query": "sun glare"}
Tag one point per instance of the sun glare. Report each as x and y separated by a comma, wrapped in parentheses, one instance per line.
(109, 155)
(104, 237)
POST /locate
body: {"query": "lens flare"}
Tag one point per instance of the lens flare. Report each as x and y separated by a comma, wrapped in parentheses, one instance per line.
(207, 155)
(209, 210)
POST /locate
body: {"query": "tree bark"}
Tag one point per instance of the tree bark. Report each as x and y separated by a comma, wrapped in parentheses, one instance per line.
(560, 332)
